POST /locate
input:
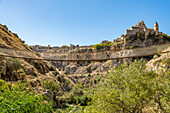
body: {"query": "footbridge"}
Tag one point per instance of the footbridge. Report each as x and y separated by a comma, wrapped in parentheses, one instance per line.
(90, 56)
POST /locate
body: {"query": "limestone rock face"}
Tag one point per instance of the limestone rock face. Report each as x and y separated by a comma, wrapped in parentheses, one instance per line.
(159, 63)
(144, 40)
(70, 69)
(82, 70)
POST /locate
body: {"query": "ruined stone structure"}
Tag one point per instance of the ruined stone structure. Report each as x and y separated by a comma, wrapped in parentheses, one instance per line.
(141, 27)
(141, 36)
(156, 27)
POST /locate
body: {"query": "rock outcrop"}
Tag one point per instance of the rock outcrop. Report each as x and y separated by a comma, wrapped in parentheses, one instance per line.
(11, 44)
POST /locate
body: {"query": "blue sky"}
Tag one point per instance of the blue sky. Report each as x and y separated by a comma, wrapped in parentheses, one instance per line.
(83, 22)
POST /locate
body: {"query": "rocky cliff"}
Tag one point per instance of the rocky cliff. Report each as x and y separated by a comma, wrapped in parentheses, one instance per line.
(9, 40)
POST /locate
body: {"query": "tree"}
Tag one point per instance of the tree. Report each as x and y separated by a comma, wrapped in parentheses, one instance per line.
(129, 88)
(12, 64)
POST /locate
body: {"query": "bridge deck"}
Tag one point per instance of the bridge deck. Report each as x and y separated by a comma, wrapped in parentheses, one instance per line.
(144, 55)
(97, 56)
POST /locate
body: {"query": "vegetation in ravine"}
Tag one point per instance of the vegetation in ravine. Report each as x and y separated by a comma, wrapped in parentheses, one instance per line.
(17, 98)
(130, 88)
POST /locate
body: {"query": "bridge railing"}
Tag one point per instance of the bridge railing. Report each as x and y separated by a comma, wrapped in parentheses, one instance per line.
(98, 56)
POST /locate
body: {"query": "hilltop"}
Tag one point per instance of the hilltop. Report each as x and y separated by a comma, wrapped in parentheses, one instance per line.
(11, 40)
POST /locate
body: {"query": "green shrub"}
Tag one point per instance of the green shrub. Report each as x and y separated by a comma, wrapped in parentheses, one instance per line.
(22, 74)
(75, 94)
(82, 100)
(21, 85)
(87, 69)
(60, 78)
(94, 68)
(13, 100)
(131, 47)
(77, 91)
(80, 85)
(97, 80)
(38, 65)
(2, 82)
(130, 88)
(108, 64)
(75, 76)
(65, 73)
(102, 45)
(51, 85)
(13, 64)
(139, 35)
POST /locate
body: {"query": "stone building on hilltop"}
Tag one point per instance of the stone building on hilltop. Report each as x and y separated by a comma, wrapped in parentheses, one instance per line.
(141, 27)
(140, 36)
(156, 27)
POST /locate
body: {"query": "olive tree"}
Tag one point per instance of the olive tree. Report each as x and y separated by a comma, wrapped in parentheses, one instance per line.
(130, 88)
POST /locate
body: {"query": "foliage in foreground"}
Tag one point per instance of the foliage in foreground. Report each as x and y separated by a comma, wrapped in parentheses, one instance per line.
(130, 88)
(18, 99)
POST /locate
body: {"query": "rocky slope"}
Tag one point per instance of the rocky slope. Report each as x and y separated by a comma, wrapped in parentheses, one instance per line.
(11, 40)
(160, 62)
(41, 76)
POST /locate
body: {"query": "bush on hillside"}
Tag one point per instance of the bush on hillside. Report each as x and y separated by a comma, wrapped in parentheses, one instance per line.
(78, 97)
(139, 35)
(13, 64)
(13, 100)
(131, 47)
(2, 82)
(130, 88)
(51, 85)
(102, 45)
